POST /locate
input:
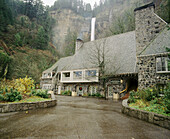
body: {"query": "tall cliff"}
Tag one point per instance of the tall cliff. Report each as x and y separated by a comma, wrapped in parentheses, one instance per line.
(68, 22)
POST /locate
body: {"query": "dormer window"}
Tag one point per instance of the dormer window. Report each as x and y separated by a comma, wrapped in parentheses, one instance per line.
(162, 64)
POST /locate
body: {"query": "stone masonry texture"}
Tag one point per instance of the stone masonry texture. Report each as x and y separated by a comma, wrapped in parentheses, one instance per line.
(148, 26)
(147, 75)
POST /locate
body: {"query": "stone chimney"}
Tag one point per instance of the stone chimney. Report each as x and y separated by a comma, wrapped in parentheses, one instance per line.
(79, 44)
(148, 26)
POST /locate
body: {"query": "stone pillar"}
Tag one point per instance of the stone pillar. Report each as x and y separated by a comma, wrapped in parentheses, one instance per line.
(148, 26)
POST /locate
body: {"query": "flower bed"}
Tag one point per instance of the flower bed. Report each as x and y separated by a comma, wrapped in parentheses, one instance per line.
(157, 119)
(151, 105)
(152, 99)
(20, 94)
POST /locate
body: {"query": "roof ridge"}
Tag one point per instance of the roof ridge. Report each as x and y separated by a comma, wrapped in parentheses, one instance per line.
(110, 36)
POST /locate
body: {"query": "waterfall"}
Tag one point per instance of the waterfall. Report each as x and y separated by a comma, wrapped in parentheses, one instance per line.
(93, 28)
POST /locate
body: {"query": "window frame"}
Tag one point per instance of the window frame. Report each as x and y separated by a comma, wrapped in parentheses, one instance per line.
(87, 72)
(166, 59)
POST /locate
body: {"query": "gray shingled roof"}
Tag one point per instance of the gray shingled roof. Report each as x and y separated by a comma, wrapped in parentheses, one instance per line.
(159, 44)
(120, 55)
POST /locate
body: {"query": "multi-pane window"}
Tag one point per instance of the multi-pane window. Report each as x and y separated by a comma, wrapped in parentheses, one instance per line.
(65, 76)
(93, 89)
(46, 86)
(68, 88)
(110, 91)
(77, 74)
(162, 64)
(91, 73)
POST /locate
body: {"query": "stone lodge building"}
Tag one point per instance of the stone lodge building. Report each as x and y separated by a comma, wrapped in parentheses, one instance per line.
(120, 63)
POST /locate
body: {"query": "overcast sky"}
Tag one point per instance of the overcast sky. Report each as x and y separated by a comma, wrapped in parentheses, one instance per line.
(51, 2)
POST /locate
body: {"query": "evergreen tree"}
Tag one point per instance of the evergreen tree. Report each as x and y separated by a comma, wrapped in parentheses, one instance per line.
(6, 17)
(41, 41)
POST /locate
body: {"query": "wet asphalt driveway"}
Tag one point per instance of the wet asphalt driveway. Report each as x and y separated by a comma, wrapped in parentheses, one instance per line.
(78, 118)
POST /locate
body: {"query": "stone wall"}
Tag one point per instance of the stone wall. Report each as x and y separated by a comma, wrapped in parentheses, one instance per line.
(13, 107)
(147, 75)
(157, 119)
(148, 26)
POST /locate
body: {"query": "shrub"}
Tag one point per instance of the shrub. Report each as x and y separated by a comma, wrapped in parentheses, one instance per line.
(149, 99)
(96, 95)
(12, 96)
(166, 98)
(133, 96)
(147, 94)
(89, 94)
(24, 85)
(67, 93)
(1, 97)
(40, 93)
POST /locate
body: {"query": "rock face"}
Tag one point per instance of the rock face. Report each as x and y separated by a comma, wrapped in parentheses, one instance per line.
(68, 21)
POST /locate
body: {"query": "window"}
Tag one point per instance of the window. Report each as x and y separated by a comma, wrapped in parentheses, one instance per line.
(110, 91)
(93, 89)
(67, 74)
(91, 73)
(47, 75)
(68, 88)
(77, 74)
(46, 86)
(162, 64)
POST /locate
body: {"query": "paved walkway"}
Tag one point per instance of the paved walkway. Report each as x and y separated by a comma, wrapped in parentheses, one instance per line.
(78, 118)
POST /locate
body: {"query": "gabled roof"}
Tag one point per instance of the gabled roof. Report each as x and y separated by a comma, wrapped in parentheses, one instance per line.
(159, 44)
(120, 55)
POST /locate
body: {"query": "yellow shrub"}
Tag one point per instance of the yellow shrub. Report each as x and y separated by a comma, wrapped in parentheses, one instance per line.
(23, 85)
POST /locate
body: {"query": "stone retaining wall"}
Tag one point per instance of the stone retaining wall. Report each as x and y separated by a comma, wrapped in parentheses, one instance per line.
(13, 107)
(157, 119)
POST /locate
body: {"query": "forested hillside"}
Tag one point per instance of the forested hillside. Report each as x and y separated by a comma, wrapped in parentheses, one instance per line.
(25, 36)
